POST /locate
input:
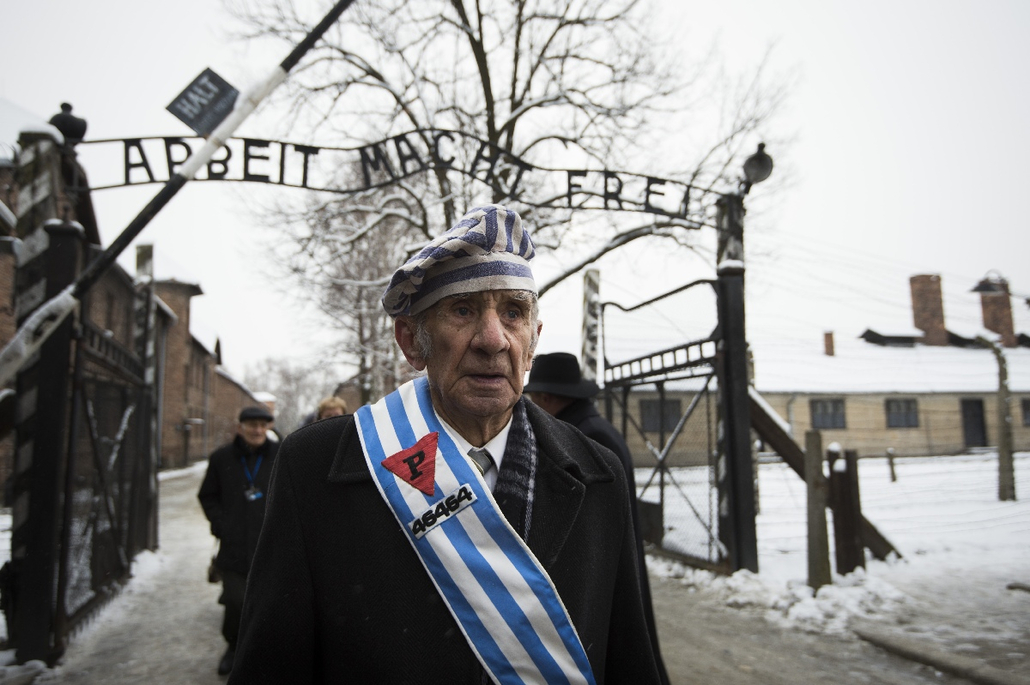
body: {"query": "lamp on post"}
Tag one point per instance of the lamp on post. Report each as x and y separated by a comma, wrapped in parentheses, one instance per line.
(736, 481)
(757, 168)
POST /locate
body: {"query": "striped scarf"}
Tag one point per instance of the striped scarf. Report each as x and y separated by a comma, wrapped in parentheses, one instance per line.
(516, 479)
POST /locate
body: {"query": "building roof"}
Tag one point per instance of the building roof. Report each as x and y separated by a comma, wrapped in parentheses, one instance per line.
(860, 367)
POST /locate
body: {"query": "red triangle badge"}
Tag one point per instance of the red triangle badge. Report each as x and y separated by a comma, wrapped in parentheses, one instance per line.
(417, 464)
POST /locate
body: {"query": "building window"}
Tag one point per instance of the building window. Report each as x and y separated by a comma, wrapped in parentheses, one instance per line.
(1026, 412)
(652, 419)
(902, 414)
(827, 414)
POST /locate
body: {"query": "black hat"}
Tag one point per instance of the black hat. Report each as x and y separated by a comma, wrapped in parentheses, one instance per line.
(558, 374)
(260, 413)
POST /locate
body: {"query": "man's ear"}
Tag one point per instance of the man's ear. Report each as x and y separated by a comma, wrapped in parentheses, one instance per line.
(536, 339)
(404, 334)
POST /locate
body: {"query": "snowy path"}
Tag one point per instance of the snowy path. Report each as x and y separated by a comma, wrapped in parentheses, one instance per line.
(165, 625)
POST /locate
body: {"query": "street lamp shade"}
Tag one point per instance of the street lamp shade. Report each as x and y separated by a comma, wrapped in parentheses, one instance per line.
(757, 168)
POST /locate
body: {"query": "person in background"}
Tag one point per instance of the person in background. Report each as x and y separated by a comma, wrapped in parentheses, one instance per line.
(557, 386)
(331, 406)
(233, 498)
(452, 532)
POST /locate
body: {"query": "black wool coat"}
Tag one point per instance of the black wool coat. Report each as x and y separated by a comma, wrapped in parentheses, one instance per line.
(235, 520)
(336, 593)
(584, 415)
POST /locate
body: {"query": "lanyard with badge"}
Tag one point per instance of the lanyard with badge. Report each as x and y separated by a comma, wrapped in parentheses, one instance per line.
(252, 492)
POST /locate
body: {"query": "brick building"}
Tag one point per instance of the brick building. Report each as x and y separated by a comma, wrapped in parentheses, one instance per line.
(928, 390)
(931, 390)
(198, 400)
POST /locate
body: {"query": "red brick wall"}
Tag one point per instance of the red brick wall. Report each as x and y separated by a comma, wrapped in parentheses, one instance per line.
(197, 394)
(997, 314)
(175, 443)
(230, 397)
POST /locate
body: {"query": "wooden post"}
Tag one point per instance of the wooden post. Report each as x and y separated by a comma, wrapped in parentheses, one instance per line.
(818, 541)
(1006, 468)
(847, 512)
(890, 463)
(855, 506)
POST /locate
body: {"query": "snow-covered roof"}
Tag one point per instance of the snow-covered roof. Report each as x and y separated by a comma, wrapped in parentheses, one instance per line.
(15, 119)
(859, 367)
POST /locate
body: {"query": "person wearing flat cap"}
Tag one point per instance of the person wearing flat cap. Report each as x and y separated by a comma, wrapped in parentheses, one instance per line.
(233, 498)
(557, 386)
(452, 531)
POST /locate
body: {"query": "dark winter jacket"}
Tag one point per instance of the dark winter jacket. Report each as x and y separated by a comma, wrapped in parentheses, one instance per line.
(235, 520)
(337, 594)
(584, 415)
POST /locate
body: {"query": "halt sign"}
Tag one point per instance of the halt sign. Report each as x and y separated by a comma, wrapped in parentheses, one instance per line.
(205, 103)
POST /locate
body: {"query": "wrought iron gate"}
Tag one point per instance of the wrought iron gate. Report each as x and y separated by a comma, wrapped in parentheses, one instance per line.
(84, 490)
(678, 489)
(677, 407)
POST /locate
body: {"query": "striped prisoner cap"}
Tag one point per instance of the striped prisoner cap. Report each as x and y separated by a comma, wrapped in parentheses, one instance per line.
(487, 250)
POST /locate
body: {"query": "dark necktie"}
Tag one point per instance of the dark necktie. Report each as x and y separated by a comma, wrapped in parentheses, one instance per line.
(482, 459)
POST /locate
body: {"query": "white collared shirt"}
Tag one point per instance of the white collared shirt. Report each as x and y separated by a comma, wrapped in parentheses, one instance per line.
(495, 447)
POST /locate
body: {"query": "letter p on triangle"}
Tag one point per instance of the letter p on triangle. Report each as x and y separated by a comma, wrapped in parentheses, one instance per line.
(416, 465)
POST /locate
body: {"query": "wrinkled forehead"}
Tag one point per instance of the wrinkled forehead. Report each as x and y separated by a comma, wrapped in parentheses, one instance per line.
(490, 297)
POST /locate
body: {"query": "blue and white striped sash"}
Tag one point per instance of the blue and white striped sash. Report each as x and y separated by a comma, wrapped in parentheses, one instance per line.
(496, 589)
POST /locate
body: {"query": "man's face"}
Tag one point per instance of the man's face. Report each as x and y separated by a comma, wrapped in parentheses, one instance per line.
(481, 346)
(254, 432)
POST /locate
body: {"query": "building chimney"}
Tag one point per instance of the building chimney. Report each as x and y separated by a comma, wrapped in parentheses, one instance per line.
(996, 304)
(928, 309)
(828, 343)
(145, 263)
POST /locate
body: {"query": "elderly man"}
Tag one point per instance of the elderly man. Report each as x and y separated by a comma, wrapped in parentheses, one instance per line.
(233, 498)
(452, 532)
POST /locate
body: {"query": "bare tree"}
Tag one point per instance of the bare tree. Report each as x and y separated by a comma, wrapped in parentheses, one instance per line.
(551, 83)
(342, 254)
(297, 388)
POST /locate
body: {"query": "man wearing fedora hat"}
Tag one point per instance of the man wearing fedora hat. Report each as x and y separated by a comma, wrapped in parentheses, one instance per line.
(557, 386)
(452, 532)
(233, 498)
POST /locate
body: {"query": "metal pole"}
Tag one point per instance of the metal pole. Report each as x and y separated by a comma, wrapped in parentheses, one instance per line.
(38, 327)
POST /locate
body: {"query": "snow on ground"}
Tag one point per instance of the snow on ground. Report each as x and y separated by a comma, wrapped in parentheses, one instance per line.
(959, 545)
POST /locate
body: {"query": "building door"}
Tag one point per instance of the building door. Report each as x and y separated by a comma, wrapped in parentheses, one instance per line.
(974, 430)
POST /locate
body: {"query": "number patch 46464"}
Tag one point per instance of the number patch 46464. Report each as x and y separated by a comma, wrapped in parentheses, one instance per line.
(442, 510)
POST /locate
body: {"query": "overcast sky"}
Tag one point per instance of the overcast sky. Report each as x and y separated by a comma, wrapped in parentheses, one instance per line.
(908, 156)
